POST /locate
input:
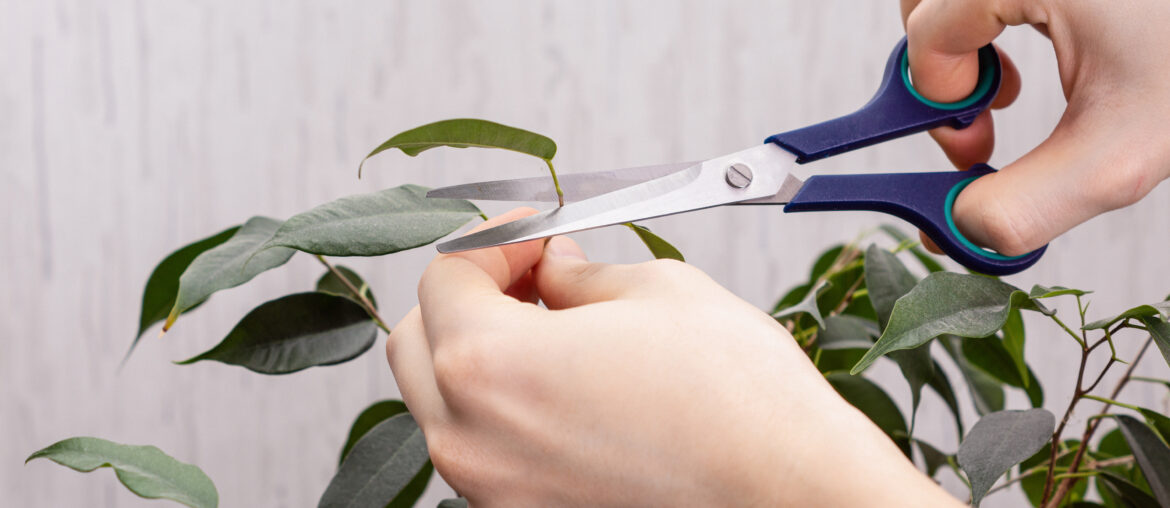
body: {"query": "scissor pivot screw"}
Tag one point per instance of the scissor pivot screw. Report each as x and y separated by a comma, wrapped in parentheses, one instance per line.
(739, 175)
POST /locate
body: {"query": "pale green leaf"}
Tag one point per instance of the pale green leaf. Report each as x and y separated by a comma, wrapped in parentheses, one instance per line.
(296, 332)
(1160, 333)
(380, 466)
(808, 305)
(145, 470)
(847, 332)
(373, 415)
(948, 303)
(374, 224)
(1039, 291)
(228, 265)
(999, 441)
(1160, 309)
(468, 132)
(887, 280)
(661, 249)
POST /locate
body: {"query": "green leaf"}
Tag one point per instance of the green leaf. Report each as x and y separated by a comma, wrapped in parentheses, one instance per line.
(228, 265)
(986, 393)
(847, 332)
(808, 305)
(999, 441)
(163, 285)
(455, 502)
(1161, 309)
(1013, 342)
(928, 261)
(332, 284)
(824, 262)
(887, 280)
(661, 249)
(296, 332)
(1129, 494)
(380, 466)
(145, 470)
(1151, 455)
(841, 284)
(369, 417)
(1039, 292)
(948, 303)
(1160, 333)
(374, 224)
(792, 297)
(834, 360)
(873, 401)
(991, 356)
(933, 458)
(468, 132)
(941, 385)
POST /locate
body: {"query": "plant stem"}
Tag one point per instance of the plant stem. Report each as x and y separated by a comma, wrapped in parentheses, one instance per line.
(1070, 332)
(1067, 483)
(1077, 394)
(361, 297)
(556, 184)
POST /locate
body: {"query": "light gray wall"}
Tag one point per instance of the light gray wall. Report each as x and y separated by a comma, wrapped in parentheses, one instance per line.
(128, 128)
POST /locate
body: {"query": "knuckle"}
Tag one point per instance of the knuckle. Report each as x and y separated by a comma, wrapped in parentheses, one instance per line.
(462, 367)
(1007, 232)
(1128, 181)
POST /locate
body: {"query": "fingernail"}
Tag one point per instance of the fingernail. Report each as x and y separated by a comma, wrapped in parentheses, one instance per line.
(560, 246)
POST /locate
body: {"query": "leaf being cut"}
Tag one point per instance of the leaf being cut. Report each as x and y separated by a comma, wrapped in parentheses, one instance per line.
(468, 132)
(380, 466)
(159, 296)
(368, 419)
(999, 441)
(145, 470)
(948, 303)
(296, 332)
(374, 224)
(1039, 291)
(887, 280)
(332, 284)
(661, 249)
(1151, 454)
(228, 265)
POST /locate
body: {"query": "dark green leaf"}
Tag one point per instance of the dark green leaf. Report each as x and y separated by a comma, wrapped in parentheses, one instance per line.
(1039, 291)
(986, 393)
(928, 261)
(933, 458)
(409, 495)
(1160, 332)
(145, 470)
(847, 332)
(163, 285)
(1160, 309)
(808, 306)
(887, 280)
(382, 463)
(1151, 454)
(873, 401)
(1013, 342)
(1159, 422)
(371, 416)
(661, 249)
(456, 502)
(332, 284)
(1125, 491)
(228, 265)
(824, 262)
(834, 360)
(948, 303)
(468, 132)
(942, 386)
(792, 297)
(374, 224)
(296, 332)
(999, 441)
(861, 307)
(992, 357)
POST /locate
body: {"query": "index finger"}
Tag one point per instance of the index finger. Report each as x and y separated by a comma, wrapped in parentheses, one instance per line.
(458, 289)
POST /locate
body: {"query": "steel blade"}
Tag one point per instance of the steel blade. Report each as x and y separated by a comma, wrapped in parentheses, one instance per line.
(576, 186)
(700, 186)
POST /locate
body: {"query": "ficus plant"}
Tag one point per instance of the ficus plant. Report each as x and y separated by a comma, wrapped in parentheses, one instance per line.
(859, 306)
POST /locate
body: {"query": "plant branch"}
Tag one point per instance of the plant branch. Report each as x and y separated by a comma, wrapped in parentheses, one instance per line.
(1072, 403)
(358, 294)
(1069, 331)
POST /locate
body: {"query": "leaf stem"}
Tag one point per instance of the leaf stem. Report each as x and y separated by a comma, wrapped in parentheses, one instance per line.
(556, 184)
(1070, 332)
(360, 295)
(1113, 402)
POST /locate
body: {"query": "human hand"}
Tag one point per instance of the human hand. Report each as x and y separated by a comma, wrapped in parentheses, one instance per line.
(1109, 150)
(639, 384)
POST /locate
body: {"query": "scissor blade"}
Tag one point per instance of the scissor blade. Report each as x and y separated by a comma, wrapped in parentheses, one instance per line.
(577, 186)
(700, 186)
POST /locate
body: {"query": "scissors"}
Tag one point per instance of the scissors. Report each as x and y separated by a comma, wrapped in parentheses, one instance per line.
(762, 175)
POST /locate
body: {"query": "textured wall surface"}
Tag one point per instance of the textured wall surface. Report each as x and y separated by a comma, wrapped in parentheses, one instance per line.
(128, 128)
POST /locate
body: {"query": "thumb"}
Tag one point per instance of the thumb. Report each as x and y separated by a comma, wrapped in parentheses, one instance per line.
(565, 278)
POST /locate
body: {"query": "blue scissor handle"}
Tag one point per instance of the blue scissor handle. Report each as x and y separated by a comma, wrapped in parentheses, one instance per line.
(922, 199)
(896, 110)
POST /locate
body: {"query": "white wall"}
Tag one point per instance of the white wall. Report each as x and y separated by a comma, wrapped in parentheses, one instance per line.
(130, 128)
